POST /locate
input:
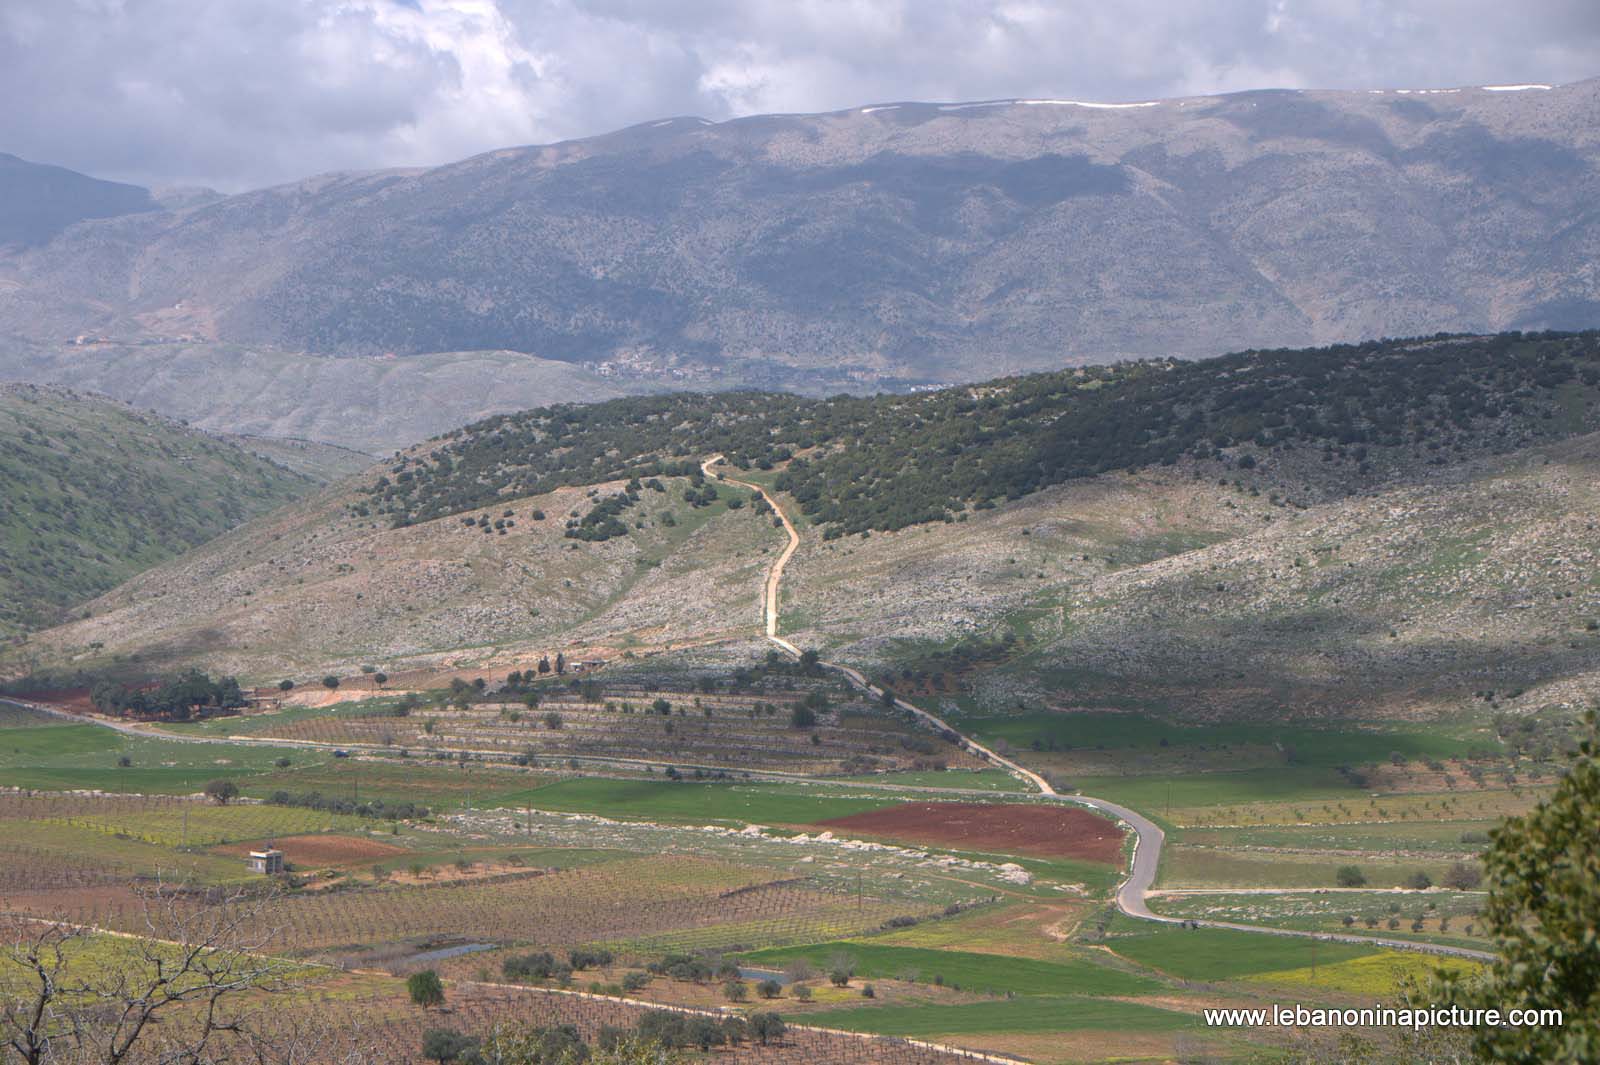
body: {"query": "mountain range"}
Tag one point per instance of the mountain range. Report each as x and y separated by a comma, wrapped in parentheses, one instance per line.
(890, 246)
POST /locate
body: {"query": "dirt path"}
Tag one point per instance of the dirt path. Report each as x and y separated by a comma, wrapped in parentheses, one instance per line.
(1132, 895)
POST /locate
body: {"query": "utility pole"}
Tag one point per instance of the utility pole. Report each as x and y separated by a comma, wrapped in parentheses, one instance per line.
(185, 842)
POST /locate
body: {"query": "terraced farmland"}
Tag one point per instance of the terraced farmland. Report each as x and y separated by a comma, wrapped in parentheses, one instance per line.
(629, 722)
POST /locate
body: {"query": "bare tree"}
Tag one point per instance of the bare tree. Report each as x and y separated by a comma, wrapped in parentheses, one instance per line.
(192, 988)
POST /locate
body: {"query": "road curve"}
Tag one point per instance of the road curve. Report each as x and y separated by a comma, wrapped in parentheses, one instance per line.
(1147, 835)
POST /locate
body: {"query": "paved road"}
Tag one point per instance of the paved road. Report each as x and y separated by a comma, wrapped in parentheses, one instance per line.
(1132, 895)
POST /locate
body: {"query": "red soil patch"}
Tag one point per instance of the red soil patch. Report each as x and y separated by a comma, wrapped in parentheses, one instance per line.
(1035, 831)
(75, 700)
(321, 850)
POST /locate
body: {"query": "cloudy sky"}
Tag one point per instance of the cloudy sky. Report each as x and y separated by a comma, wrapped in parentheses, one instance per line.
(239, 93)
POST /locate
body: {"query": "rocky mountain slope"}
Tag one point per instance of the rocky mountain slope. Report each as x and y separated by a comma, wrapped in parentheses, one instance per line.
(884, 245)
(313, 587)
(92, 492)
(1427, 552)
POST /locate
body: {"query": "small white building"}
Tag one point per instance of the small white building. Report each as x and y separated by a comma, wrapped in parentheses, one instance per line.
(268, 862)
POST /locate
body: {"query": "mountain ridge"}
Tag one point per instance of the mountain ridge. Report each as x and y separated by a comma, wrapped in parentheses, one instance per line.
(892, 245)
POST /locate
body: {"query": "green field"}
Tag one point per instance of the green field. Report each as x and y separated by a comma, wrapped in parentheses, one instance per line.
(1352, 743)
(1154, 795)
(70, 757)
(986, 973)
(1215, 954)
(1201, 867)
(984, 780)
(1021, 1015)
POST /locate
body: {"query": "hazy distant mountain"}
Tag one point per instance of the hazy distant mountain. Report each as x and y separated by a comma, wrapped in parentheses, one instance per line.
(37, 202)
(897, 243)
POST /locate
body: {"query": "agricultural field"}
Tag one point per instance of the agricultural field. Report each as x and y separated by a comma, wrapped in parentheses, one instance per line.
(1435, 916)
(810, 726)
(54, 755)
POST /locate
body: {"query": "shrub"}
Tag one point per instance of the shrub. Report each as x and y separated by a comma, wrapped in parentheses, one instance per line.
(447, 1045)
(1350, 876)
(425, 989)
(1419, 881)
(769, 989)
(1463, 876)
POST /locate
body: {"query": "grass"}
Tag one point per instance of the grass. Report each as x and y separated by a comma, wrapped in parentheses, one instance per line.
(1444, 916)
(1019, 1015)
(983, 780)
(1202, 867)
(1154, 795)
(90, 848)
(1352, 743)
(1436, 836)
(1214, 954)
(204, 826)
(73, 757)
(255, 724)
(985, 973)
(1378, 975)
(438, 786)
(1011, 929)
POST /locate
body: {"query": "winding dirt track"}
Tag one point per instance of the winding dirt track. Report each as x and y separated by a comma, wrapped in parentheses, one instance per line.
(1148, 837)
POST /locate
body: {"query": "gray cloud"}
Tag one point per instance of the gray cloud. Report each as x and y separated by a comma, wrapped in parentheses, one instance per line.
(247, 92)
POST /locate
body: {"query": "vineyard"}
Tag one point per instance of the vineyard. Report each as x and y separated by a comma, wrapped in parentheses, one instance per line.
(190, 824)
(393, 1030)
(641, 905)
(802, 730)
(50, 841)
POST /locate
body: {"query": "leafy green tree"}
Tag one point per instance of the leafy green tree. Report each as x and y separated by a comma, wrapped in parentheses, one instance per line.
(1543, 870)
(330, 682)
(1350, 876)
(767, 1027)
(286, 685)
(221, 791)
(425, 989)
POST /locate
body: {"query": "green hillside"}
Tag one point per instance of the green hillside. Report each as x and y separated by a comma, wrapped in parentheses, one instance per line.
(1333, 419)
(93, 492)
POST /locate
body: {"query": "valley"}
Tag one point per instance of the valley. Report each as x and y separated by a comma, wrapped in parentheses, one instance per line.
(599, 711)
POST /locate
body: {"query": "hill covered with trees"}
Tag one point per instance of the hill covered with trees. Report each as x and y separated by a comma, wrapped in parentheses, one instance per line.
(93, 492)
(1332, 419)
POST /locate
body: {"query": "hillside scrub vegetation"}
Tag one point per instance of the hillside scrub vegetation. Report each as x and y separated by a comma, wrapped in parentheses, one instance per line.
(886, 462)
(95, 492)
